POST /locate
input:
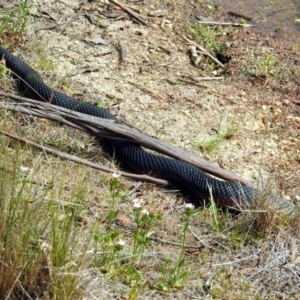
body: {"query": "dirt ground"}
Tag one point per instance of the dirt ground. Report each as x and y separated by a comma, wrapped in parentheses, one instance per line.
(146, 76)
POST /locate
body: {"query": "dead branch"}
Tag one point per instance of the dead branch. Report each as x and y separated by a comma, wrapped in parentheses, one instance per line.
(130, 12)
(113, 130)
(204, 51)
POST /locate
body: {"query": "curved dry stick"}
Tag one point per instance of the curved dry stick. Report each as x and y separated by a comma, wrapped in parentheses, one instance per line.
(130, 12)
(86, 162)
(205, 52)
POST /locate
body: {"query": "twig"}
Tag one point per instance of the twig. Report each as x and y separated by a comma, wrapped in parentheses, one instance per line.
(165, 49)
(74, 16)
(148, 90)
(122, 51)
(83, 161)
(132, 227)
(204, 51)
(195, 235)
(201, 79)
(130, 12)
(202, 242)
(251, 257)
(227, 24)
(288, 178)
(48, 27)
(155, 239)
(293, 271)
(239, 15)
(185, 81)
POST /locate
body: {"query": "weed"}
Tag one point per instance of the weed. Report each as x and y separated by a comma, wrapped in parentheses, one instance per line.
(114, 260)
(263, 67)
(208, 35)
(145, 221)
(175, 277)
(213, 143)
(267, 65)
(38, 239)
(220, 283)
(109, 243)
(43, 61)
(238, 238)
(211, 7)
(218, 219)
(15, 23)
(19, 236)
(5, 78)
(101, 104)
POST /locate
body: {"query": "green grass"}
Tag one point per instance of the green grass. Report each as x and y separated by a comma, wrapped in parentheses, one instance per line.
(264, 67)
(15, 23)
(212, 143)
(208, 36)
(39, 235)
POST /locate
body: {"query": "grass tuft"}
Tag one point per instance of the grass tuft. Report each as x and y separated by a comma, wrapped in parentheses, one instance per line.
(212, 144)
(14, 24)
(208, 36)
(42, 248)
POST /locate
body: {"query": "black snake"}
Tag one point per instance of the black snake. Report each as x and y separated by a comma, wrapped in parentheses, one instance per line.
(183, 175)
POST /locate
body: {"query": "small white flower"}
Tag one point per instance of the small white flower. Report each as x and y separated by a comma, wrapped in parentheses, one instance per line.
(121, 242)
(116, 175)
(138, 202)
(189, 206)
(145, 212)
(25, 169)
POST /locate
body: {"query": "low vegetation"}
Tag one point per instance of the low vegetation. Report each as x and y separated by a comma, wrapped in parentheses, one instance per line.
(209, 36)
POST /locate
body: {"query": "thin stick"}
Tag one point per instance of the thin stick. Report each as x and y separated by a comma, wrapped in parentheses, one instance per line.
(201, 79)
(227, 24)
(147, 90)
(204, 51)
(74, 16)
(155, 239)
(290, 177)
(130, 12)
(239, 15)
(86, 162)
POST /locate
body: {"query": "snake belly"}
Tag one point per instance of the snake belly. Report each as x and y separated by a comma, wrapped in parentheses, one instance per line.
(184, 175)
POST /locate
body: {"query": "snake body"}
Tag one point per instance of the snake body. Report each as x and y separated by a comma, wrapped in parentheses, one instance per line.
(186, 176)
